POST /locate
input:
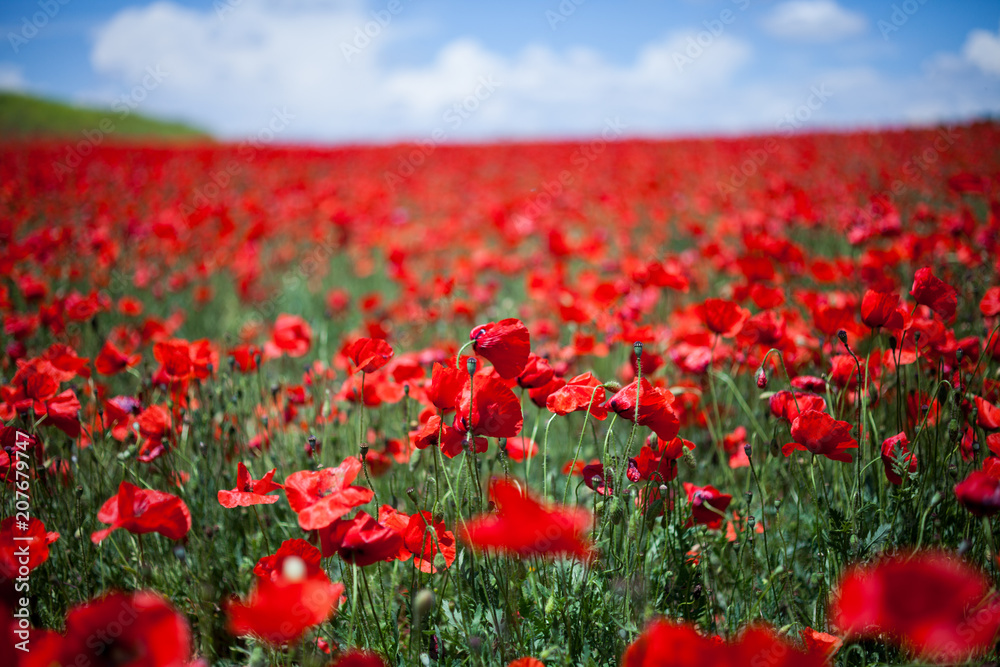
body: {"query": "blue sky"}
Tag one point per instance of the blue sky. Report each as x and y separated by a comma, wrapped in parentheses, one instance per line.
(444, 70)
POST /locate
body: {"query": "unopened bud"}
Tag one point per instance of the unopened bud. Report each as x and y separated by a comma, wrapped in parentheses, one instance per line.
(761, 378)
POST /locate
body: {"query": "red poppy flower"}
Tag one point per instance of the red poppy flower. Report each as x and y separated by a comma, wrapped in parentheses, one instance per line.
(935, 605)
(321, 497)
(445, 387)
(527, 662)
(521, 448)
(63, 412)
(707, 504)
(175, 359)
(496, 410)
(505, 344)
(878, 309)
(722, 317)
(821, 642)
(785, 406)
(979, 492)
(652, 466)
(65, 360)
(271, 567)
(138, 629)
(370, 354)
(280, 609)
(359, 658)
(249, 491)
(291, 335)
(987, 414)
(817, 432)
(934, 293)
(666, 643)
(360, 540)
(593, 477)
(989, 306)
(142, 511)
(655, 408)
(111, 361)
(537, 373)
(524, 527)
(17, 542)
(889, 447)
(581, 393)
(423, 537)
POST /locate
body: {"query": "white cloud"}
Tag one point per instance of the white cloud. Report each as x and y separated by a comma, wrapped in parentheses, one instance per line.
(11, 77)
(317, 63)
(229, 73)
(814, 21)
(982, 49)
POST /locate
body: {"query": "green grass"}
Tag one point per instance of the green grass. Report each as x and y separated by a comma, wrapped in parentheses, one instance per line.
(24, 116)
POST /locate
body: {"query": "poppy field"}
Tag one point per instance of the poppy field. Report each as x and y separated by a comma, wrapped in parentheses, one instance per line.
(690, 402)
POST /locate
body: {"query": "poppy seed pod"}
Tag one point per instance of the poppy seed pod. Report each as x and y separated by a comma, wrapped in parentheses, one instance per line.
(637, 348)
(470, 365)
(842, 335)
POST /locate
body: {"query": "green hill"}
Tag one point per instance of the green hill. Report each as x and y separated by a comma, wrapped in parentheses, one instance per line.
(24, 116)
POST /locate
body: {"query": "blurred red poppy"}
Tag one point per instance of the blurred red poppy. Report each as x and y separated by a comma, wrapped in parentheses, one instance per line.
(524, 527)
(934, 293)
(16, 542)
(136, 629)
(934, 604)
(722, 317)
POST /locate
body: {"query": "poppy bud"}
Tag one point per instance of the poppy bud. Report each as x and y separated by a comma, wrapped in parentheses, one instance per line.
(406, 389)
(748, 450)
(916, 336)
(617, 512)
(423, 604)
(689, 459)
(470, 365)
(958, 355)
(611, 385)
(664, 490)
(761, 378)
(637, 348)
(411, 493)
(953, 429)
